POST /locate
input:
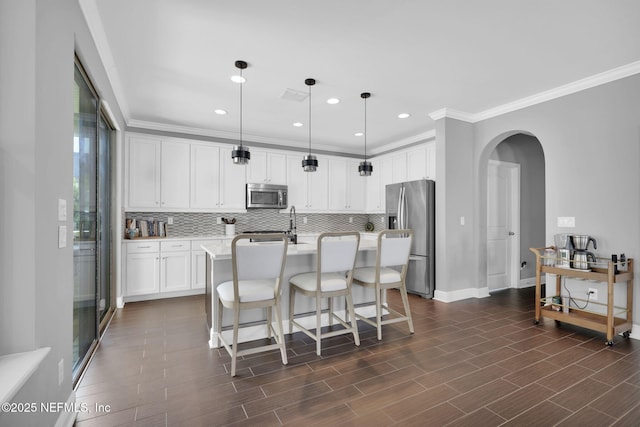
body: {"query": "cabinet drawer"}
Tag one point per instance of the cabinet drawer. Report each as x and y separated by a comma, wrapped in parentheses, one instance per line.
(175, 245)
(143, 247)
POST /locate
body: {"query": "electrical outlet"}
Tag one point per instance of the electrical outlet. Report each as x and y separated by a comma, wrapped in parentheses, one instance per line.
(593, 294)
(60, 371)
(218, 220)
(350, 219)
(381, 220)
(170, 220)
(304, 219)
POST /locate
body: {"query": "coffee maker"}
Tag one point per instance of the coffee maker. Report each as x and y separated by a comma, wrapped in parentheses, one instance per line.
(581, 256)
(564, 247)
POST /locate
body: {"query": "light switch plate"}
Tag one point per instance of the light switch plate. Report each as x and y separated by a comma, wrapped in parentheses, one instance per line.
(567, 221)
(62, 236)
(62, 210)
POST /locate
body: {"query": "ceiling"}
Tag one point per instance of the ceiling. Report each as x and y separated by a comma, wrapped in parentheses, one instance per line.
(170, 62)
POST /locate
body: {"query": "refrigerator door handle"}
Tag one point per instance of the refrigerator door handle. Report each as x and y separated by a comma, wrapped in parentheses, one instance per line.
(403, 215)
(399, 220)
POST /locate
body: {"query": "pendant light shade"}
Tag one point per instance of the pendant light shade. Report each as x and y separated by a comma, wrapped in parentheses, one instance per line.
(365, 168)
(240, 154)
(309, 162)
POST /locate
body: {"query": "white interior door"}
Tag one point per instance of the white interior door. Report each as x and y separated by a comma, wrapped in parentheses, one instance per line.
(503, 225)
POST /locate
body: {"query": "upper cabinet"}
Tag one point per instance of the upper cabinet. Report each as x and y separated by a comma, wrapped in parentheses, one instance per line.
(232, 183)
(172, 174)
(346, 186)
(308, 191)
(205, 176)
(267, 168)
(375, 189)
(158, 174)
(180, 175)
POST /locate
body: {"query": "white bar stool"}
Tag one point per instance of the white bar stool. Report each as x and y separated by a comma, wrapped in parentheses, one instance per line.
(333, 276)
(394, 247)
(257, 282)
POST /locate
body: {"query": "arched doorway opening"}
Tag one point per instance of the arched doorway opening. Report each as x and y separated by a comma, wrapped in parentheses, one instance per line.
(515, 209)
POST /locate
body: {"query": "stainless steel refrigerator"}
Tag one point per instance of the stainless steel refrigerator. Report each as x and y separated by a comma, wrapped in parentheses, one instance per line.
(412, 205)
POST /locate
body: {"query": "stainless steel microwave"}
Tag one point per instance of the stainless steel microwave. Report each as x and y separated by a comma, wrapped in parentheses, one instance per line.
(266, 196)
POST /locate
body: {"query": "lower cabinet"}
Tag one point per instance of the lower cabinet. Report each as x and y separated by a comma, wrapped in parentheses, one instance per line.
(142, 270)
(156, 267)
(175, 266)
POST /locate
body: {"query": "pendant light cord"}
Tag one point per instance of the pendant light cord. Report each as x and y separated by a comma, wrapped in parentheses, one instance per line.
(241, 108)
(365, 129)
(309, 119)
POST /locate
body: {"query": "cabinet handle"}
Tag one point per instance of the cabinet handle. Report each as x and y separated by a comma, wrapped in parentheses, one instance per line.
(144, 247)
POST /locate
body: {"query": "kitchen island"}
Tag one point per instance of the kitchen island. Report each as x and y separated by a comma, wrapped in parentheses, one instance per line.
(301, 258)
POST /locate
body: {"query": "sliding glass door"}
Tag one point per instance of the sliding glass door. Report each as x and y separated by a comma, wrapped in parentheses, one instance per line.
(91, 220)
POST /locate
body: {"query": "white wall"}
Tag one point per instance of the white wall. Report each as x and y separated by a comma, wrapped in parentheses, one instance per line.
(37, 43)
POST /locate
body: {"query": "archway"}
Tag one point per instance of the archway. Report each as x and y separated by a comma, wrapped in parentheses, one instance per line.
(509, 263)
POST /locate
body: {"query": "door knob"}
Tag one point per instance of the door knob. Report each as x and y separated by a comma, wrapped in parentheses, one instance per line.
(511, 233)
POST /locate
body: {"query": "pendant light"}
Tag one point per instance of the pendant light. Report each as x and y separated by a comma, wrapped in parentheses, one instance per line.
(309, 162)
(365, 168)
(240, 154)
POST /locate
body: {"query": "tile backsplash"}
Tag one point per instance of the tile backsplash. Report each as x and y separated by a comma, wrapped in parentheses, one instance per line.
(190, 224)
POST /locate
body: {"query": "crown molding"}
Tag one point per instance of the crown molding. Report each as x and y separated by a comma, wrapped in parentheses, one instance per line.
(233, 136)
(560, 91)
(421, 137)
(452, 114)
(548, 95)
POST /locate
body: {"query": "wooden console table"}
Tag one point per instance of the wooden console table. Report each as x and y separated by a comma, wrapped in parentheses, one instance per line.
(616, 320)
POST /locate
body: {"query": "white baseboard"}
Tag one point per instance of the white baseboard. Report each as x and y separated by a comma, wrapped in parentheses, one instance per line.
(250, 333)
(67, 418)
(461, 294)
(147, 297)
(527, 283)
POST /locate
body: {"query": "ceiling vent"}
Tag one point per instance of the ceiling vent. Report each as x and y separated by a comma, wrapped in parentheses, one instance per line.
(294, 95)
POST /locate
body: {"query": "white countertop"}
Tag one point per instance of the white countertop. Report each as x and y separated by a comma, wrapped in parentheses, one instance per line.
(301, 236)
(223, 251)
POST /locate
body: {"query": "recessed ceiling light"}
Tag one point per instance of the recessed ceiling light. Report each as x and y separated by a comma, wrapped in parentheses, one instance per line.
(358, 134)
(297, 124)
(220, 112)
(403, 115)
(333, 101)
(238, 79)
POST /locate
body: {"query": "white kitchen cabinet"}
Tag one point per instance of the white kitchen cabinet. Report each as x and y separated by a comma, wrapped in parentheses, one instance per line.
(175, 265)
(153, 267)
(417, 163)
(431, 160)
(375, 189)
(144, 172)
(346, 186)
(267, 168)
(158, 174)
(205, 176)
(142, 268)
(308, 191)
(233, 179)
(298, 187)
(398, 167)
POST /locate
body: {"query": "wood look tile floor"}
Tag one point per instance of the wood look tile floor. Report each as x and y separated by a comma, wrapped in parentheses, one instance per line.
(478, 362)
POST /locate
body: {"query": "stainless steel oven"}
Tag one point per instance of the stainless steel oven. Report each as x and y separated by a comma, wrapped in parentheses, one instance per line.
(266, 196)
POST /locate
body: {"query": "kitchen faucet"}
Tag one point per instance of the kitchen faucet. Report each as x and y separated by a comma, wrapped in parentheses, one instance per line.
(293, 225)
